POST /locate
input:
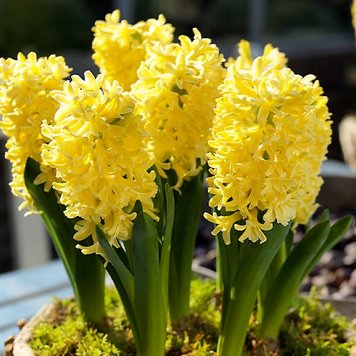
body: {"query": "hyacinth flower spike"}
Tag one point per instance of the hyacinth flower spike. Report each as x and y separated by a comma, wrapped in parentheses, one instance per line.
(97, 147)
(175, 94)
(174, 86)
(25, 101)
(120, 47)
(270, 136)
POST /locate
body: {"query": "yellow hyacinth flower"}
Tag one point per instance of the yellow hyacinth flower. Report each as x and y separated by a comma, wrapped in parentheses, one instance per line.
(25, 101)
(119, 47)
(271, 56)
(270, 137)
(353, 13)
(96, 147)
(175, 94)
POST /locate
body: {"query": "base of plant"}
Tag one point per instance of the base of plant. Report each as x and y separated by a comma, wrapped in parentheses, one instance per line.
(310, 328)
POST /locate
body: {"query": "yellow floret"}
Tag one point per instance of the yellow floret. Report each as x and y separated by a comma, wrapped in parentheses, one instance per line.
(25, 85)
(176, 94)
(270, 137)
(119, 47)
(97, 149)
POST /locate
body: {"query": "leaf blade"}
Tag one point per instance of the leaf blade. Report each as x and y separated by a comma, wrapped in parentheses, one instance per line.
(166, 244)
(288, 279)
(149, 308)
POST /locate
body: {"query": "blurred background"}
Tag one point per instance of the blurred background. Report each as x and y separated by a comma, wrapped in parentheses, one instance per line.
(316, 35)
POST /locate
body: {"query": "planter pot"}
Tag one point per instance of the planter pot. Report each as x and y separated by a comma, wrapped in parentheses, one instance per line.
(20, 346)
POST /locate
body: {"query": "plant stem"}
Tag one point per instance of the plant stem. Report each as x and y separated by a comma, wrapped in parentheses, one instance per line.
(83, 271)
(269, 278)
(149, 301)
(188, 211)
(254, 261)
(227, 257)
(90, 279)
(288, 280)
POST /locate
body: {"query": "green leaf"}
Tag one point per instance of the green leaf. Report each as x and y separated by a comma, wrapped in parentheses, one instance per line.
(270, 277)
(113, 257)
(337, 232)
(289, 241)
(159, 202)
(254, 261)
(288, 280)
(122, 278)
(227, 261)
(325, 215)
(60, 228)
(166, 244)
(125, 254)
(188, 213)
(149, 306)
(83, 271)
(90, 272)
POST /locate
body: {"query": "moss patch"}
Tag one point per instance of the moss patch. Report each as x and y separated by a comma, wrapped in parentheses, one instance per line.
(310, 328)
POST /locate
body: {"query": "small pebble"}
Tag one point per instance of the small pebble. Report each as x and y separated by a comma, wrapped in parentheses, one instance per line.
(9, 340)
(345, 291)
(350, 249)
(332, 259)
(349, 261)
(21, 323)
(342, 274)
(9, 345)
(319, 281)
(352, 280)
(9, 348)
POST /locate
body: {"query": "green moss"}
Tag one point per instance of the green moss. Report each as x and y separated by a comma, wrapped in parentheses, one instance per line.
(309, 329)
(69, 334)
(312, 328)
(96, 344)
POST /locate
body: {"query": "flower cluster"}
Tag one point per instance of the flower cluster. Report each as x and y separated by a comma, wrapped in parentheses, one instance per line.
(119, 47)
(25, 101)
(96, 147)
(270, 136)
(163, 109)
(175, 94)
